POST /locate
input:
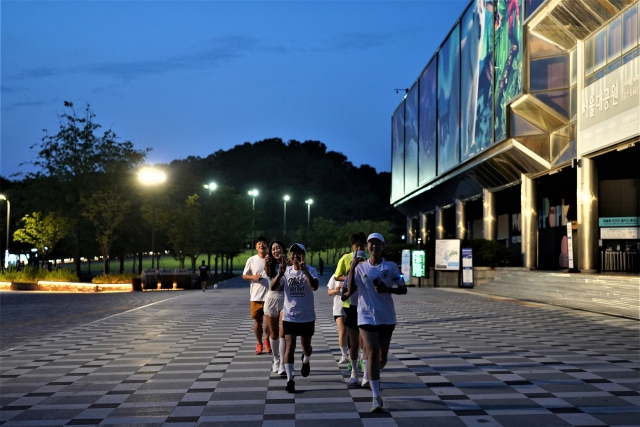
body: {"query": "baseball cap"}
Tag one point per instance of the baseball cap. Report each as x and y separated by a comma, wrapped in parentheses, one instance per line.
(375, 236)
(299, 246)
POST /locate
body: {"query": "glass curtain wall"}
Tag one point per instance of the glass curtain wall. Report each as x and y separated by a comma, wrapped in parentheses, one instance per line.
(449, 102)
(428, 123)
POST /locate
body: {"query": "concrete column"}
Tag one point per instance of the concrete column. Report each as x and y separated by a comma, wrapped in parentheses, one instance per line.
(410, 236)
(587, 199)
(489, 217)
(461, 225)
(423, 227)
(529, 217)
(439, 223)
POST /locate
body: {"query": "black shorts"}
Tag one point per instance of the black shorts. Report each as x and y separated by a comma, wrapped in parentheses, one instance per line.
(384, 331)
(351, 321)
(306, 329)
(336, 317)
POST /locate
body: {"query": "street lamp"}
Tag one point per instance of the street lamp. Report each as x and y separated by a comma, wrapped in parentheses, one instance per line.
(253, 194)
(6, 252)
(308, 202)
(286, 199)
(152, 177)
(211, 186)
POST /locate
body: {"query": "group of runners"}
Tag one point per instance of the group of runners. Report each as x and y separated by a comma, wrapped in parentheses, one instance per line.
(282, 307)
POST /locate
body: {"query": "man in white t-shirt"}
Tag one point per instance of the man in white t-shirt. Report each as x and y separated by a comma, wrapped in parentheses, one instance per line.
(299, 316)
(375, 281)
(254, 272)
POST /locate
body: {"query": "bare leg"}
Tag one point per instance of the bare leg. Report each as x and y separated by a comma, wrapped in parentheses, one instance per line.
(384, 352)
(257, 327)
(274, 328)
(305, 342)
(342, 336)
(372, 346)
(291, 348)
(352, 337)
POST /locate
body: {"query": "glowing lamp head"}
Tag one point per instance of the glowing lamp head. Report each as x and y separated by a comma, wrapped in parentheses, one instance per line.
(151, 176)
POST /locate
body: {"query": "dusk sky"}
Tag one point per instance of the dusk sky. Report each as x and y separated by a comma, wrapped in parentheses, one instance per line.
(190, 78)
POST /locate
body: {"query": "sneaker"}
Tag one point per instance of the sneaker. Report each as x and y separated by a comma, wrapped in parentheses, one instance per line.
(282, 372)
(361, 365)
(354, 377)
(275, 365)
(306, 368)
(291, 386)
(258, 348)
(365, 383)
(377, 405)
(267, 346)
(343, 359)
(349, 366)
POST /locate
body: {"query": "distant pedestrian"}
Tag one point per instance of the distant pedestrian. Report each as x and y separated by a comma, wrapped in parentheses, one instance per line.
(274, 304)
(254, 272)
(375, 281)
(298, 320)
(321, 266)
(204, 274)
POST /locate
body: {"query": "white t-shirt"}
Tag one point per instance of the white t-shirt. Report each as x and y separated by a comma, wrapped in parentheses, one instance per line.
(298, 296)
(375, 308)
(255, 265)
(337, 301)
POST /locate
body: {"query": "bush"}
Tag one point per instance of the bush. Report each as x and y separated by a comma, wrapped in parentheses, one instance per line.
(394, 252)
(114, 278)
(31, 274)
(488, 253)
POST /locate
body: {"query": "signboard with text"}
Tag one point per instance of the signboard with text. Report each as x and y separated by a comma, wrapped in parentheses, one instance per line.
(418, 263)
(406, 264)
(447, 255)
(467, 268)
(620, 233)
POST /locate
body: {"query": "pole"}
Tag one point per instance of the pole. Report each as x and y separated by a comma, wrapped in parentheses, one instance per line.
(285, 219)
(308, 219)
(253, 226)
(153, 231)
(6, 252)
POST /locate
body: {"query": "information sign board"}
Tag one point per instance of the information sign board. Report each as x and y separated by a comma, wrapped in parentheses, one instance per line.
(467, 268)
(447, 255)
(406, 264)
(418, 264)
(620, 233)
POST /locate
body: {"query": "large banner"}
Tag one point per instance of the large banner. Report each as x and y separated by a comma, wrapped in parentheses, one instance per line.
(411, 140)
(449, 102)
(610, 110)
(428, 123)
(397, 154)
(508, 56)
(477, 79)
(447, 254)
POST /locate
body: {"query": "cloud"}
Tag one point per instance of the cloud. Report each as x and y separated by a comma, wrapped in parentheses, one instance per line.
(8, 89)
(41, 72)
(17, 105)
(354, 41)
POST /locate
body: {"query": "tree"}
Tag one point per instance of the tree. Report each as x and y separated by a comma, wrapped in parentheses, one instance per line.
(80, 161)
(107, 210)
(184, 231)
(42, 231)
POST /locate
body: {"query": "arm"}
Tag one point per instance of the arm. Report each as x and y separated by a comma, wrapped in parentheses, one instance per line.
(276, 280)
(335, 291)
(251, 277)
(351, 285)
(267, 265)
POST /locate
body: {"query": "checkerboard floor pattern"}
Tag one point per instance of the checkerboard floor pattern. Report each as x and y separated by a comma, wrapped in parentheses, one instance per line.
(457, 359)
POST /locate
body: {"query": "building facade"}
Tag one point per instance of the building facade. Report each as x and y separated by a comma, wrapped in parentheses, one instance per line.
(526, 119)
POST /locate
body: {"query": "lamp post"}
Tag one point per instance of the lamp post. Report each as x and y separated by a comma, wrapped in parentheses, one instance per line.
(253, 194)
(286, 199)
(308, 202)
(211, 186)
(6, 251)
(152, 177)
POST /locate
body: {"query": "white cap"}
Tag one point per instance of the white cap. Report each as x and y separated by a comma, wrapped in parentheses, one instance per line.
(375, 236)
(299, 245)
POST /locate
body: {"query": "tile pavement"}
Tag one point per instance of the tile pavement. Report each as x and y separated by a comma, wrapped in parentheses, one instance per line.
(457, 359)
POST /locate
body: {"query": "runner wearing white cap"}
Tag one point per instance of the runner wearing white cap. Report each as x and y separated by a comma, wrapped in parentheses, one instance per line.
(375, 281)
(298, 319)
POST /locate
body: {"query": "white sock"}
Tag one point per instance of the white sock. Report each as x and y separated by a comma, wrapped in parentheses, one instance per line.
(282, 346)
(364, 374)
(289, 368)
(375, 387)
(275, 347)
(305, 358)
(344, 351)
(354, 365)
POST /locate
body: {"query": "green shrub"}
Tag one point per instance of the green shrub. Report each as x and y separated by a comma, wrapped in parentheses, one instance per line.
(114, 278)
(31, 274)
(488, 253)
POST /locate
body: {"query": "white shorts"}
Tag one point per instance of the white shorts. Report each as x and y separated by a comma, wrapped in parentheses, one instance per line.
(273, 303)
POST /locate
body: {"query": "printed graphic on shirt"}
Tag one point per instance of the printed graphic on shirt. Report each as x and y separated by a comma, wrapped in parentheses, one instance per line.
(296, 286)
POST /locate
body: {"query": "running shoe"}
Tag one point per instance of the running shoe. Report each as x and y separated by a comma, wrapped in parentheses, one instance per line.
(377, 405)
(343, 359)
(275, 365)
(354, 377)
(306, 368)
(361, 365)
(365, 383)
(267, 346)
(282, 372)
(291, 386)
(258, 348)
(349, 366)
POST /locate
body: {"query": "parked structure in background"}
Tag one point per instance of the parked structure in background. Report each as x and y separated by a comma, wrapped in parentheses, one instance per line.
(526, 119)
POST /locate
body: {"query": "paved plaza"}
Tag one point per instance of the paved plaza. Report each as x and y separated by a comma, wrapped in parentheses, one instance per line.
(457, 358)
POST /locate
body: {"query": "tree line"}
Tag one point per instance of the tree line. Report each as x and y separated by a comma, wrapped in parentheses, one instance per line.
(85, 198)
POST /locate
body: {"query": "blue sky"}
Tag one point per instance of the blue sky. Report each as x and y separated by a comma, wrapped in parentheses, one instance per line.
(190, 78)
